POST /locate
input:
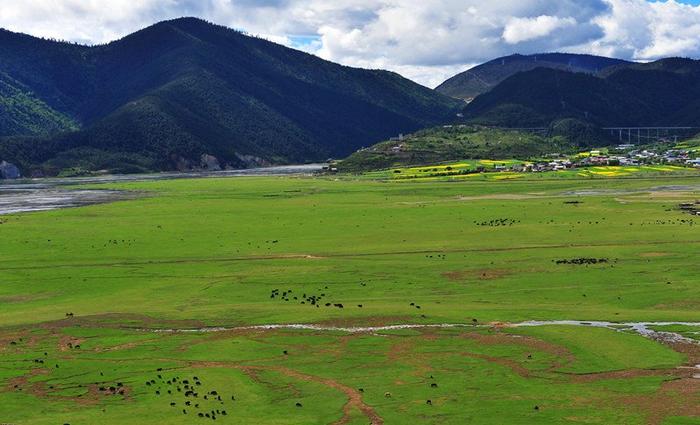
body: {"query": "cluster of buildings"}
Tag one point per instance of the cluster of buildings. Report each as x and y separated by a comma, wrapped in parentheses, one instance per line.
(539, 167)
(622, 155)
(628, 155)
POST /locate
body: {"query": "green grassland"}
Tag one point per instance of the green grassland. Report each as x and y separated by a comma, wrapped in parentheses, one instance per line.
(452, 143)
(197, 253)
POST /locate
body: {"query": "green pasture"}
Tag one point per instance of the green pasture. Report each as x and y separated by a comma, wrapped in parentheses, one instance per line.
(116, 279)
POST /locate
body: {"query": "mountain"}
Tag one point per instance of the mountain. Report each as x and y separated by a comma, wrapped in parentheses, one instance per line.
(482, 78)
(164, 96)
(661, 93)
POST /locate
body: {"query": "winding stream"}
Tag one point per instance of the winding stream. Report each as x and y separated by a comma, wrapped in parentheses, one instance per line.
(642, 328)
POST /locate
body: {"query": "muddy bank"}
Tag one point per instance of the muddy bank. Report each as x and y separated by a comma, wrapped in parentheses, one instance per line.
(50, 194)
(17, 201)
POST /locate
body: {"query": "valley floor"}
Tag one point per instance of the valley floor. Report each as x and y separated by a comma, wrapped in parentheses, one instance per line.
(162, 309)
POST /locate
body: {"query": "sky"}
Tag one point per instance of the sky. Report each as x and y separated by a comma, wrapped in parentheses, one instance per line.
(425, 40)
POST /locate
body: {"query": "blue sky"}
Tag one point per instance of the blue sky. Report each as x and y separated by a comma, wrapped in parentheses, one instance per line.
(426, 40)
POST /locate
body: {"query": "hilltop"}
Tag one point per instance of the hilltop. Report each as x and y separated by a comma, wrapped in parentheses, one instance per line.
(162, 97)
(450, 143)
(482, 78)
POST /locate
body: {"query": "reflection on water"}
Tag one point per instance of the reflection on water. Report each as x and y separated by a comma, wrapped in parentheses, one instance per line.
(49, 194)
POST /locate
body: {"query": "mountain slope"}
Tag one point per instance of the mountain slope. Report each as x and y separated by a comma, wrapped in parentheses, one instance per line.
(22, 113)
(480, 79)
(662, 93)
(183, 88)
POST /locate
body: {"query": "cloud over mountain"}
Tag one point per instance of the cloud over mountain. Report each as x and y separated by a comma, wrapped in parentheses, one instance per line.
(426, 40)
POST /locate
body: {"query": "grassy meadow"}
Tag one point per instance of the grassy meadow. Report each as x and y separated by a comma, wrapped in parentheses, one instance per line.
(103, 307)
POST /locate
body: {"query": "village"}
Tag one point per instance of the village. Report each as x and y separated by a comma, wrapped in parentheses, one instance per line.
(620, 155)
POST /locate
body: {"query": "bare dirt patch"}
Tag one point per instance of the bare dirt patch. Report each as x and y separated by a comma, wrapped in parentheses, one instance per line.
(679, 305)
(480, 274)
(654, 254)
(679, 397)
(626, 374)
(562, 355)
(354, 396)
(513, 365)
(67, 342)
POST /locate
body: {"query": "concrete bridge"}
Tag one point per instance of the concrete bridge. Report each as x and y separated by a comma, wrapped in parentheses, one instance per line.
(639, 135)
(631, 135)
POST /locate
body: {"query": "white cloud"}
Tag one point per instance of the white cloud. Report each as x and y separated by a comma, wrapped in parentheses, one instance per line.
(640, 30)
(518, 30)
(427, 40)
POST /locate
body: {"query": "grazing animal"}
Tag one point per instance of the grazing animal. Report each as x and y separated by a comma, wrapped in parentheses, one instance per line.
(298, 404)
(429, 402)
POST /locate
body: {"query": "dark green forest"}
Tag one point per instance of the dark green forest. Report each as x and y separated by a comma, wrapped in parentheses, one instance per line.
(160, 98)
(662, 93)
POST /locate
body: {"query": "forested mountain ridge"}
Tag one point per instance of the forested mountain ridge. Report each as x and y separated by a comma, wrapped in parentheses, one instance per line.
(167, 94)
(482, 78)
(661, 93)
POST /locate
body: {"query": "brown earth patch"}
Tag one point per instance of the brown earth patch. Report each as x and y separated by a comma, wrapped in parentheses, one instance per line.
(20, 338)
(22, 298)
(67, 342)
(254, 374)
(654, 254)
(562, 354)
(126, 321)
(402, 351)
(679, 397)
(627, 374)
(510, 364)
(682, 305)
(40, 389)
(354, 396)
(481, 274)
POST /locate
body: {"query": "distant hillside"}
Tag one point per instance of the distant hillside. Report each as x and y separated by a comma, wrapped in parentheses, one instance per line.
(22, 113)
(169, 93)
(480, 79)
(662, 93)
(450, 143)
